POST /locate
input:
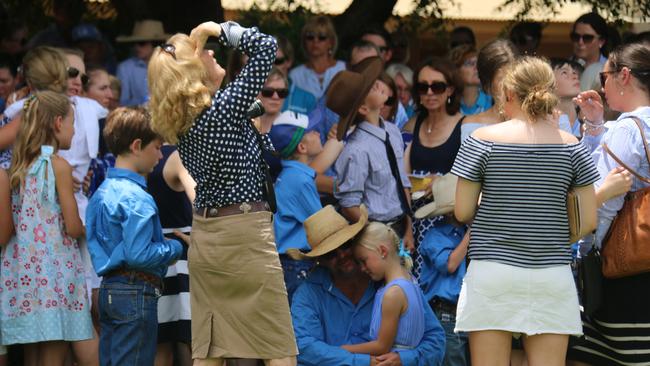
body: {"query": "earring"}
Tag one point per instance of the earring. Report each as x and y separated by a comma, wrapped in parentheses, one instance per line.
(621, 93)
(330, 52)
(449, 100)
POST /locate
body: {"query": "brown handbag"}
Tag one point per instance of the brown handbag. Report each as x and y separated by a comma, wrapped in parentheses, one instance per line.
(626, 247)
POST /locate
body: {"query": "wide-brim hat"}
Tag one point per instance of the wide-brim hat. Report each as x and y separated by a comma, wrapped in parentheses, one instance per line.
(349, 88)
(443, 190)
(327, 230)
(145, 30)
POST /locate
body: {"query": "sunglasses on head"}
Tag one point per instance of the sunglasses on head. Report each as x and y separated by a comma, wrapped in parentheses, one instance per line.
(73, 72)
(586, 38)
(170, 49)
(312, 36)
(268, 92)
(437, 87)
(280, 60)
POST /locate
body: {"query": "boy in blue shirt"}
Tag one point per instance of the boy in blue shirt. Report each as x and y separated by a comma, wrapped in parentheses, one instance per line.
(126, 242)
(295, 138)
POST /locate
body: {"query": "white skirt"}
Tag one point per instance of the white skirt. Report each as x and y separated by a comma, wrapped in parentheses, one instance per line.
(531, 301)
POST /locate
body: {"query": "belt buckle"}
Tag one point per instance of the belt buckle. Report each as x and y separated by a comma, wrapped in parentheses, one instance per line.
(211, 212)
(245, 207)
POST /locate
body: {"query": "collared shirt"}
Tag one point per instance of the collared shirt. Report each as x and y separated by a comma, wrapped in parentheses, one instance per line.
(435, 249)
(565, 125)
(299, 100)
(624, 140)
(364, 173)
(123, 228)
(307, 79)
(297, 198)
(132, 73)
(221, 150)
(324, 319)
(85, 143)
(482, 104)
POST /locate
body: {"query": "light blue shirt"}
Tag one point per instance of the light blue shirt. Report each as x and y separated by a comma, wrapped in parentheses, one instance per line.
(133, 76)
(324, 319)
(364, 173)
(123, 228)
(624, 140)
(565, 125)
(299, 100)
(325, 117)
(297, 198)
(307, 79)
(482, 104)
(435, 249)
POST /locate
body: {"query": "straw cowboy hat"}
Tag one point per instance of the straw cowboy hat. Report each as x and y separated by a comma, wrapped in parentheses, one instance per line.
(146, 30)
(349, 88)
(327, 230)
(443, 190)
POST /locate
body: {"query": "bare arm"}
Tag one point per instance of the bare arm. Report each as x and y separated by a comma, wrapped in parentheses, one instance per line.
(393, 305)
(351, 213)
(7, 223)
(324, 184)
(457, 256)
(588, 206)
(64, 189)
(328, 156)
(9, 132)
(407, 159)
(467, 194)
(177, 177)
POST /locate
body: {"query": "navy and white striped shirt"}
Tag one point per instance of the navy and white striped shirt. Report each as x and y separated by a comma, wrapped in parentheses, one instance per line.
(522, 220)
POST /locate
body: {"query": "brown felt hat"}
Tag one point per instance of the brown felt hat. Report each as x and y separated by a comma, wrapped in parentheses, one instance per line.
(146, 30)
(327, 230)
(349, 89)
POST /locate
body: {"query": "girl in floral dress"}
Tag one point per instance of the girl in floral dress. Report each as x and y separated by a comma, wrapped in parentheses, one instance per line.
(43, 301)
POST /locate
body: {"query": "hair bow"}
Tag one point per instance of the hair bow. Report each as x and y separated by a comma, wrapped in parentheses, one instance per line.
(402, 252)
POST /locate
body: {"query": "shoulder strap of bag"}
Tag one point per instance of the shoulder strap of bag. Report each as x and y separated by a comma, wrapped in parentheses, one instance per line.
(645, 146)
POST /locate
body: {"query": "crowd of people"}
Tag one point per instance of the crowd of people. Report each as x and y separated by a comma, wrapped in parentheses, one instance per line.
(166, 211)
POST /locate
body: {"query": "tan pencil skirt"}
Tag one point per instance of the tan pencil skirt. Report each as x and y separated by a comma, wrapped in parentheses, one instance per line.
(237, 292)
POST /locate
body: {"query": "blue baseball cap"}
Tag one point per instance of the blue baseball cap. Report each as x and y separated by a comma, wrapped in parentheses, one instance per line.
(288, 130)
(86, 32)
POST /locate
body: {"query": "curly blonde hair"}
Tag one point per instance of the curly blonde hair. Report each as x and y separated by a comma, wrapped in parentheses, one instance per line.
(178, 86)
(377, 233)
(36, 130)
(532, 80)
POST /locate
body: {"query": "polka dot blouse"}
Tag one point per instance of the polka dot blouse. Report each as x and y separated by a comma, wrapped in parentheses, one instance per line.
(221, 150)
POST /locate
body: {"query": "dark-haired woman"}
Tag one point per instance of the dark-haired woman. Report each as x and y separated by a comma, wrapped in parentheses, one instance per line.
(618, 332)
(589, 38)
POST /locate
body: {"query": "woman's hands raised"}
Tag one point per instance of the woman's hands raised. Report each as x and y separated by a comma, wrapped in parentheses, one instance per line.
(201, 32)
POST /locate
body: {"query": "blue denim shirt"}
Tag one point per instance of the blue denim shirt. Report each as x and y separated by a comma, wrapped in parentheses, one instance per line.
(435, 249)
(324, 319)
(133, 75)
(123, 228)
(297, 198)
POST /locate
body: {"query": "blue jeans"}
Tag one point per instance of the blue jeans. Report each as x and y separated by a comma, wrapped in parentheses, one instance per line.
(457, 344)
(128, 317)
(294, 273)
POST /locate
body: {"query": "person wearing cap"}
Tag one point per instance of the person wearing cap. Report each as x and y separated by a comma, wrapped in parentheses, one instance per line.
(333, 306)
(371, 167)
(133, 71)
(298, 143)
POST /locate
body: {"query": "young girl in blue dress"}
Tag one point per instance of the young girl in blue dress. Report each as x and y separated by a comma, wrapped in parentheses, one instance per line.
(43, 301)
(398, 311)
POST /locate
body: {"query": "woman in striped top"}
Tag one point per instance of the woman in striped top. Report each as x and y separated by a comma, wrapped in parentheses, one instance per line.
(519, 280)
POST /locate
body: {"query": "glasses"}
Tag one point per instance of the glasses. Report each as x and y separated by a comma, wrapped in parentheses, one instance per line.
(309, 36)
(280, 60)
(603, 77)
(437, 87)
(169, 48)
(586, 38)
(330, 255)
(268, 92)
(73, 72)
(390, 101)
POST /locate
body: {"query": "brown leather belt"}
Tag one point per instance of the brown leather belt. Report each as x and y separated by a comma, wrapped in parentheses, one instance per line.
(151, 278)
(236, 209)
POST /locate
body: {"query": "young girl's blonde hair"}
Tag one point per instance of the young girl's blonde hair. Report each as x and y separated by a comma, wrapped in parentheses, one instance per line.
(377, 233)
(45, 68)
(178, 86)
(36, 129)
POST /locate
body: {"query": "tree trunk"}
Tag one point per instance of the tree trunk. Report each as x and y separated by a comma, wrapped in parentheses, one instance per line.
(361, 13)
(176, 15)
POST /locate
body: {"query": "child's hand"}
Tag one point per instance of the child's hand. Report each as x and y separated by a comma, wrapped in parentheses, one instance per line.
(183, 237)
(346, 347)
(389, 359)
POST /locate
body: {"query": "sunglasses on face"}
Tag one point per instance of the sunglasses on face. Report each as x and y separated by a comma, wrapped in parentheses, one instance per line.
(280, 60)
(268, 92)
(586, 38)
(73, 72)
(603, 77)
(332, 254)
(312, 36)
(437, 87)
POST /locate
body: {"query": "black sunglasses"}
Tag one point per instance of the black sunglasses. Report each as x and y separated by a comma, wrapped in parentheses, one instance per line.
(280, 60)
(312, 36)
(437, 87)
(73, 72)
(331, 254)
(268, 92)
(586, 38)
(169, 48)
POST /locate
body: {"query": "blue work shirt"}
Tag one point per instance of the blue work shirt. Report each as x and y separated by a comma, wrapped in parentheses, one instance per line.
(123, 228)
(325, 319)
(297, 198)
(133, 76)
(435, 249)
